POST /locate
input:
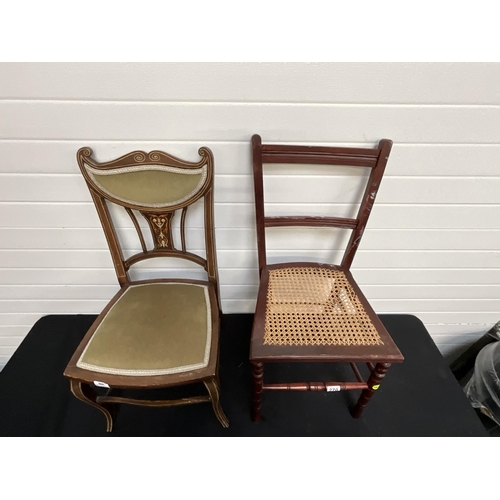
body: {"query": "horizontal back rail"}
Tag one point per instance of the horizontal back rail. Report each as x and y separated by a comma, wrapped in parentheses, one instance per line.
(151, 254)
(319, 155)
(310, 221)
(280, 148)
(375, 159)
(313, 159)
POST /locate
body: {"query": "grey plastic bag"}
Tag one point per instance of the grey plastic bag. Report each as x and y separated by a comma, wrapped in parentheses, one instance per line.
(483, 389)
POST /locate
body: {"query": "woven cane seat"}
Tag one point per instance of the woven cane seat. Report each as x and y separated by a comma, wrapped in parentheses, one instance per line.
(315, 312)
(315, 306)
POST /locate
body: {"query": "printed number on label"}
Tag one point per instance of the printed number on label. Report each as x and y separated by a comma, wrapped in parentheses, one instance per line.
(101, 384)
(332, 388)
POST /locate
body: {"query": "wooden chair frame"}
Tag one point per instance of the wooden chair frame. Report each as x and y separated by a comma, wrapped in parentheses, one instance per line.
(82, 380)
(377, 358)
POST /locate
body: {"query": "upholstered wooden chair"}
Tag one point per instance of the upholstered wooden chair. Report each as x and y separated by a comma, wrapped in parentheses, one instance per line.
(315, 312)
(161, 332)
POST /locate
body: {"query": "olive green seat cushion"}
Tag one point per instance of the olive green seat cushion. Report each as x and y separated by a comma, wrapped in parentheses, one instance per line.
(153, 329)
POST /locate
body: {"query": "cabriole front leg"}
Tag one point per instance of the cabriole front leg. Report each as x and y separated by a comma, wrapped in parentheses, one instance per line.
(84, 392)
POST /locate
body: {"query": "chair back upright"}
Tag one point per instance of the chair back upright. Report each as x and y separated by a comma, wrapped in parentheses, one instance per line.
(375, 159)
(155, 186)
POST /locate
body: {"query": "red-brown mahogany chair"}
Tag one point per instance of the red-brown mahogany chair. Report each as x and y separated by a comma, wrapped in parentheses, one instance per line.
(312, 312)
(160, 332)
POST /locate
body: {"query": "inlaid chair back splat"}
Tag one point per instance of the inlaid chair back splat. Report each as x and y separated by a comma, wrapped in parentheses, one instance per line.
(157, 185)
(314, 311)
(160, 332)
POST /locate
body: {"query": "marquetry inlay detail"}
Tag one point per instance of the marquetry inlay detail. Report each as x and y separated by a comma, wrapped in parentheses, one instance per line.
(161, 229)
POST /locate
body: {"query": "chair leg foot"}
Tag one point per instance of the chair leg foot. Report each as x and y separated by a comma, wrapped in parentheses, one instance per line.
(85, 393)
(258, 380)
(213, 389)
(373, 384)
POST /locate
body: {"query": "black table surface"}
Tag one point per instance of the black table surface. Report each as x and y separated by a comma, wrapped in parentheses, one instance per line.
(419, 397)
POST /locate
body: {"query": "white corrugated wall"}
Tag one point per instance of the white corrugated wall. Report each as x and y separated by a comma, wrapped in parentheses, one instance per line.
(431, 245)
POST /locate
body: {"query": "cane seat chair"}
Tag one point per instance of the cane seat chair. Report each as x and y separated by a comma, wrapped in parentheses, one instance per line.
(155, 333)
(315, 312)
